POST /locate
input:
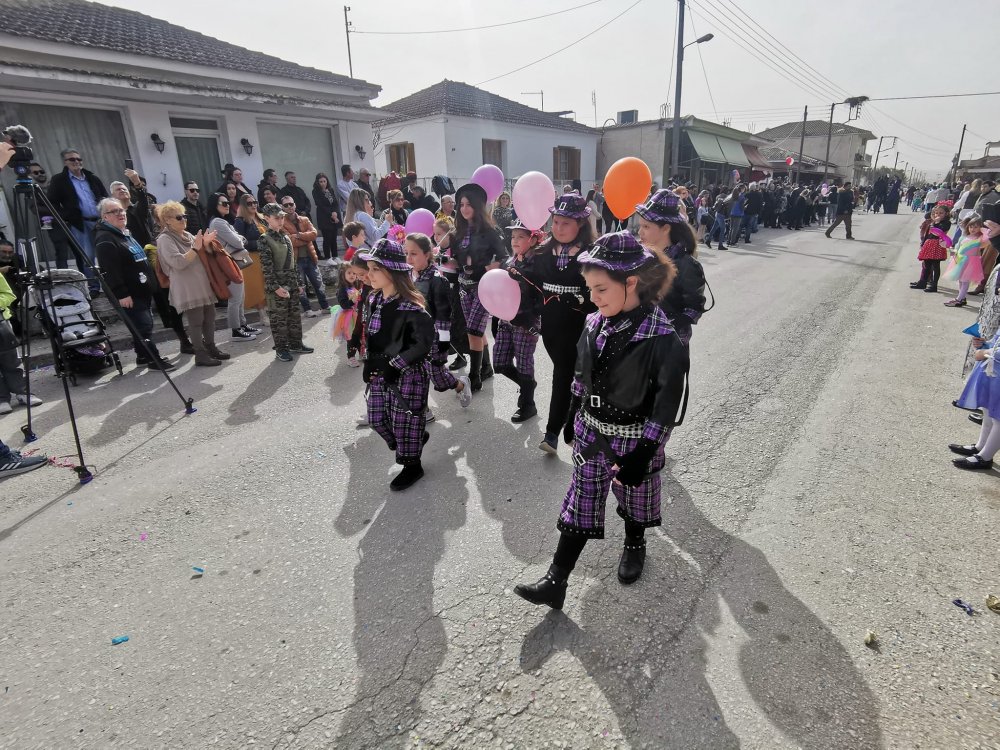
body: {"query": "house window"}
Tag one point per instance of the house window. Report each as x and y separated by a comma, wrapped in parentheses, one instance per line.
(402, 158)
(493, 152)
(565, 164)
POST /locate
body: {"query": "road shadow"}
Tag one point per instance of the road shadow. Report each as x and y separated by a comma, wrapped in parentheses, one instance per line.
(345, 382)
(243, 409)
(644, 647)
(399, 636)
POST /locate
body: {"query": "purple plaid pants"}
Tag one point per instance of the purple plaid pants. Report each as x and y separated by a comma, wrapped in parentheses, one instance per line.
(477, 320)
(515, 346)
(402, 432)
(442, 379)
(583, 508)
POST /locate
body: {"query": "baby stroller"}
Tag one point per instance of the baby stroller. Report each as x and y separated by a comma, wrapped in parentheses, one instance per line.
(80, 342)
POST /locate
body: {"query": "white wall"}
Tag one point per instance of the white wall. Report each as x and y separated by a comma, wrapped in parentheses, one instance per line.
(646, 142)
(528, 148)
(428, 139)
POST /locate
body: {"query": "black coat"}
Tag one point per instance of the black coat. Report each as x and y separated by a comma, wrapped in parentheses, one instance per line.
(754, 203)
(197, 216)
(437, 292)
(646, 381)
(685, 302)
(326, 205)
(126, 274)
(845, 201)
(138, 216)
(64, 199)
(406, 333)
(531, 299)
(425, 202)
(485, 247)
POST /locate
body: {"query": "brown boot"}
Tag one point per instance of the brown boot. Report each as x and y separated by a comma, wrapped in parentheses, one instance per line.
(218, 353)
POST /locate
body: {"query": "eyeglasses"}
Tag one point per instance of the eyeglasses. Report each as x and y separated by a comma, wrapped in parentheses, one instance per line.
(251, 203)
(193, 190)
(74, 159)
(37, 172)
(182, 217)
(223, 203)
(118, 212)
(288, 205)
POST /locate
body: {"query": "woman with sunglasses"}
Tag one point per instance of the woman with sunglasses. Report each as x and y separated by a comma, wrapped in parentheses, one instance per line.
(232, 243)
(250, 224)
(190, 290)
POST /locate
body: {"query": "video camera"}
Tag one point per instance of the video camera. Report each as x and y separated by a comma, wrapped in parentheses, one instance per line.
(19, 137)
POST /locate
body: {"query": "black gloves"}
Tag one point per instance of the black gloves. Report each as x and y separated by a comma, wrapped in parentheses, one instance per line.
(569, 429)
(632, 468)
(390, 374)
(574, 300)
(444, 346)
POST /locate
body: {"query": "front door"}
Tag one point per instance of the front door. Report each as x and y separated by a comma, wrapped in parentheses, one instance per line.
(199, 159)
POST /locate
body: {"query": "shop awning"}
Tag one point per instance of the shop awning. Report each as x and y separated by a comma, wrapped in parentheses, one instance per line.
(756, 160)
(734, 153)
(706, 146)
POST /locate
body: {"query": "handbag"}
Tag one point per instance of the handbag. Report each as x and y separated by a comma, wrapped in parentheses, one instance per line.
(242, 258)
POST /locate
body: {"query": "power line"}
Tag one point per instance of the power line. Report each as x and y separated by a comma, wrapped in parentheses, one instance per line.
(739, 26)
(563, 49)
(479, 28)
(703, 70)
(935, 96)
(673, 46)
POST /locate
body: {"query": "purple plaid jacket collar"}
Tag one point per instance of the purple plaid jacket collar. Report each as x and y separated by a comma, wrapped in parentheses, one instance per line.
(379, 301)
(654, 324)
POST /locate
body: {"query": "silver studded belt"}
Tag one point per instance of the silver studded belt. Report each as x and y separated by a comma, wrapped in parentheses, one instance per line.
(614, 430)
(560, 289)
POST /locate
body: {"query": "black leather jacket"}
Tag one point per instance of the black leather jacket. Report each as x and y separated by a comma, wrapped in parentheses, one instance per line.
(407, 333)
(685, 302)
(530, 308)
(647, 381)
(485, 247)
(437, 292)
(65, 200)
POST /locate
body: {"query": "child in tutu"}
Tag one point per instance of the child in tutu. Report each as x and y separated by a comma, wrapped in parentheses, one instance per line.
(934, 246)
(345, 312)
(966, 266)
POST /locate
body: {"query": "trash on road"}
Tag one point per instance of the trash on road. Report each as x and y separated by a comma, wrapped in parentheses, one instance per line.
(143, 536)
(871, 639)
(196, 569)
(119, 639)
(993, 603)
(964, 605)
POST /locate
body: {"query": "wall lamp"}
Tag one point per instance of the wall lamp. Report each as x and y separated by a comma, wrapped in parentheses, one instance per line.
(247, 146)
(158, 142)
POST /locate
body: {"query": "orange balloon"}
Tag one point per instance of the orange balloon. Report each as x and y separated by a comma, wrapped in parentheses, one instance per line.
(627, 184)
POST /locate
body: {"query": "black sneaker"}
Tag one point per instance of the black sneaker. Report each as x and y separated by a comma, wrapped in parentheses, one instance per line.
(284, 355)
(240, 335)
(14, 463)
(250, 329)
(162, 364)
(301, 349)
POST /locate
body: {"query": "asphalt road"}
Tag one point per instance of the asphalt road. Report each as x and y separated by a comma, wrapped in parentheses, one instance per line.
(810, 499)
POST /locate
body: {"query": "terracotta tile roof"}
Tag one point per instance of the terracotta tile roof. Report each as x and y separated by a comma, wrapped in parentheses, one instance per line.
(813, 127)
(463, 100)
(89, 24)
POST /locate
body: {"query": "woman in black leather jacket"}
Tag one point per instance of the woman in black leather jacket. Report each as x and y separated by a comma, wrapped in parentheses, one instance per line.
(399, 334)
(478, 247)
(630, 391)
(665, 231)
(557, 273)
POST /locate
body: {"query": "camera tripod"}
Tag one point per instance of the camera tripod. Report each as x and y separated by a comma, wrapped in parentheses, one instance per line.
(29, 198)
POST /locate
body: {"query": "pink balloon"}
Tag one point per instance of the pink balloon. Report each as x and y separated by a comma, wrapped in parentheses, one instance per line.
(490, 179)
(421, 221)
(534, 195)
(500, 294)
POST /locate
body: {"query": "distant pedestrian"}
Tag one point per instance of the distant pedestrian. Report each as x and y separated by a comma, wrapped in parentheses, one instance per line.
(845, 207)
(281, 282)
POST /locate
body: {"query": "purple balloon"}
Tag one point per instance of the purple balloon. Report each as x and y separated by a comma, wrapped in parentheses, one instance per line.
(490, 179)
(420, 221)
(500, 294)
(534, 195)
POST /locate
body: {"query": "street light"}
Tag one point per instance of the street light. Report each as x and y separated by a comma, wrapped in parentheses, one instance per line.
(675, 129)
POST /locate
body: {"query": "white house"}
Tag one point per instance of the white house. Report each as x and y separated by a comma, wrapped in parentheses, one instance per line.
(847, 158)
(112, 82)
(452, 128)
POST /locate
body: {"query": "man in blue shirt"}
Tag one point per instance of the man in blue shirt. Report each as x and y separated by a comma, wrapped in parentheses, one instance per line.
(75, 193)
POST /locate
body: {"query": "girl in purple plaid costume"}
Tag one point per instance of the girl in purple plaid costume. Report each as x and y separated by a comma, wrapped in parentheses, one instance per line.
(480, 249)
(630, 390)
(400, 335)
(516, 339)
(437, 295)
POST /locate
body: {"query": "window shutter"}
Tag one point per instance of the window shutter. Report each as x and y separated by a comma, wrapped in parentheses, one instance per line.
(555, 164)
(575, 154)
(411, 159)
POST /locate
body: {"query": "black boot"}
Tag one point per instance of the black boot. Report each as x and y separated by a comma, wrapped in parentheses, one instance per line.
(186, 346)
(475, 371)
(509, 371)
(486, 372)
(408, 476)
(550, 589)
(525, 402)
(458, 363)
(632, 560)
(921, 283)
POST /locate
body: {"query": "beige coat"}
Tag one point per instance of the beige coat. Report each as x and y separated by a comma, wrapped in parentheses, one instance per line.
(189, 285)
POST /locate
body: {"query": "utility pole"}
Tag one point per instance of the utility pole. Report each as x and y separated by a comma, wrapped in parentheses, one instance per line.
(675, 129)
(347, 31)
(829, 136)
(593, 100)
(895, 162)
(536, 93)
(958, 156)
(802, 143)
